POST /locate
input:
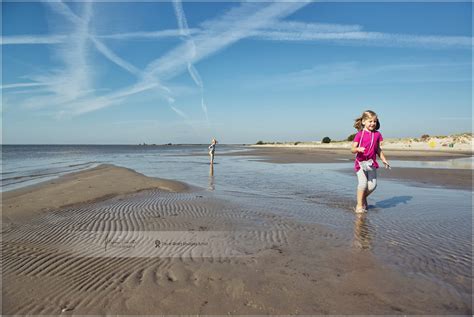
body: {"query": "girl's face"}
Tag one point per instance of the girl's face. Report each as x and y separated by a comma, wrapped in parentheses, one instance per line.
(370, 123)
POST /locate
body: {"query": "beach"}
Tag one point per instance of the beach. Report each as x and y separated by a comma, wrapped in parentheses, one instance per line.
(195, 158)
(109, 240)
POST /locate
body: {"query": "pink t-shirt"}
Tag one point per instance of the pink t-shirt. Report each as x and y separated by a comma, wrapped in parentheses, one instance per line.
(370, 150)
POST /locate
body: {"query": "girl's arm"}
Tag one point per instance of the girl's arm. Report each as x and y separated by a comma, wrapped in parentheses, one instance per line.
(382, 157)
(356, 149)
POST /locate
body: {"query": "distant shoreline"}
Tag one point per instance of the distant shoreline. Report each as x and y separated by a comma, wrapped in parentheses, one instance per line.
(461, 141)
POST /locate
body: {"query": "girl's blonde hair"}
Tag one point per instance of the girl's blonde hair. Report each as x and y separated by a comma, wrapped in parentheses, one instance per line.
(366, 115)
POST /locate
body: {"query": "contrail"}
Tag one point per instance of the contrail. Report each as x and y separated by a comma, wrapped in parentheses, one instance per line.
(79, 21)
(114, 58)
(185, 117)
(218, 33)
(182, 23)
(184, 31)
(21, 85)
(179, 112)
(197, 79)
(195, 75)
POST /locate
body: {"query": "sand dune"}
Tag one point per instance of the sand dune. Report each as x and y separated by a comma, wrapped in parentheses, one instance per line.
(450, 143)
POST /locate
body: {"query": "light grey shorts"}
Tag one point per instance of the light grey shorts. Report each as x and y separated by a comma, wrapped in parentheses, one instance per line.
(367, 180)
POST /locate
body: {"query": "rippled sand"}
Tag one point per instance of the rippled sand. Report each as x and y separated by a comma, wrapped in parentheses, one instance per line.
(264, 258)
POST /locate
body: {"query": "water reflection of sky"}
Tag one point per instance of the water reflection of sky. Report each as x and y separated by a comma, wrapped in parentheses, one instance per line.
(458, 163)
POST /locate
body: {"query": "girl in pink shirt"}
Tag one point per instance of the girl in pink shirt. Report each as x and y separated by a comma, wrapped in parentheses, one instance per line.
(366, 146)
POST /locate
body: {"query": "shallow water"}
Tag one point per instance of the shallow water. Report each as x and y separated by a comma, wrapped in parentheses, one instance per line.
(421, 231)
(458, 163)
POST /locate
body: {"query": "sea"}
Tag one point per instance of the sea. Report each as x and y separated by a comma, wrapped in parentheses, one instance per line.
(424, 231)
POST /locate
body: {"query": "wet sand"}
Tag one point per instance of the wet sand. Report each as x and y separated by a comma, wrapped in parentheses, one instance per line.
(287, 266)
(284, 155)
(448, 178)
(95, 184)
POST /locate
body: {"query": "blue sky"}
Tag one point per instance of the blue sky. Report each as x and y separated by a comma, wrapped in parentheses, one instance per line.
(184, 72)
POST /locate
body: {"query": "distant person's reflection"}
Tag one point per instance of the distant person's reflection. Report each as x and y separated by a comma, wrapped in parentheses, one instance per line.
(362, 234)
(211, 178)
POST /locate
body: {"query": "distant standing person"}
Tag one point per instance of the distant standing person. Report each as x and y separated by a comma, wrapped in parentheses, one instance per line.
(212, 149)
(366, 146)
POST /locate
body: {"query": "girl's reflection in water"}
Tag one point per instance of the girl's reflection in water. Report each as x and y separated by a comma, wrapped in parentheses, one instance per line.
(362, 234)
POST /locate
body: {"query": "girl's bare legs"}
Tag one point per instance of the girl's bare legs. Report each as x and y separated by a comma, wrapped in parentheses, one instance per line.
(364, 199)
(372, 184)
(360, 199)
(361, 189)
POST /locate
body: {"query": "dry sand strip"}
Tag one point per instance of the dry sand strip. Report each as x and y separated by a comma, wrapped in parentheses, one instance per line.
(288, 267)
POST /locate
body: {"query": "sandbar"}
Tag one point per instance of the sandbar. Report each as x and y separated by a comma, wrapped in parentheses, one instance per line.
(99, 183)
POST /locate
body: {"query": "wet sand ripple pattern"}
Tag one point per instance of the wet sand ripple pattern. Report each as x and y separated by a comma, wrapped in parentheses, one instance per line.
(41, 250)
(43, 253)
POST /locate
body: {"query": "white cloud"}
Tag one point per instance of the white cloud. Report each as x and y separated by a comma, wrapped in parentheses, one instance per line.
(293, 31)
(33, 39)
(74, 80)
(183, 26)
(219, 33)
(21, 85)
(71, 86)
(147, 35)
(300, 27)
(354, 34)
(58, 39)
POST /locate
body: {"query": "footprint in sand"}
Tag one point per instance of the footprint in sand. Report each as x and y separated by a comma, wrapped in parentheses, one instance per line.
(171, 277)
